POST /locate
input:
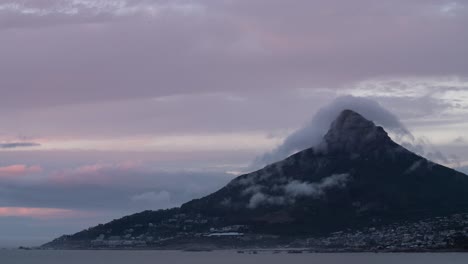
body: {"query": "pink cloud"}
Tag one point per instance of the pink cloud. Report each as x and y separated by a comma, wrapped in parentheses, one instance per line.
(40, 213)
(100, 174)
(19, 170)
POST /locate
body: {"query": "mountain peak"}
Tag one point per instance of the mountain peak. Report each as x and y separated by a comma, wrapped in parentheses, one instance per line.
(351, 132)
(350, 120)
(360, 178)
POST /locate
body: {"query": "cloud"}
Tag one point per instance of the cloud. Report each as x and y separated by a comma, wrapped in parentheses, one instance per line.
(294, 189)
(463, 169)
(311, 134)
(67, 67)
(435, 108)
(19, 170)
(262, 199)
(34, 13)
(416, 165)
(240, 44)
(423, 146)
(166, 118)
(162, 197)
(418, 98)
(18, 145)
(115, 188)
(39, 213)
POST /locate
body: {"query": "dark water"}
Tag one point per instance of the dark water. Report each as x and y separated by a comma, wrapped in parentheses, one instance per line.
(168, 257)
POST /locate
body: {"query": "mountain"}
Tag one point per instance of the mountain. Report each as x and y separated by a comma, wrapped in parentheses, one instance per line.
(355, 178)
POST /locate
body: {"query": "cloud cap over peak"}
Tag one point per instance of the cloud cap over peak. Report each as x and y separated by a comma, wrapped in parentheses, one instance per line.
(312, 133)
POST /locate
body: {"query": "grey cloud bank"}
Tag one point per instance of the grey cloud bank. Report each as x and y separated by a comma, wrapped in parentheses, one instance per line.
(227, 46)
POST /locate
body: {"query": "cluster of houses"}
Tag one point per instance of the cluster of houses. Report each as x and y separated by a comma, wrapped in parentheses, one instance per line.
(433, 233)
(179, 226)
(430, 234)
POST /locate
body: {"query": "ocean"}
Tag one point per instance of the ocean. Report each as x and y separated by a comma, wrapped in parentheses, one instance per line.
(227, 257)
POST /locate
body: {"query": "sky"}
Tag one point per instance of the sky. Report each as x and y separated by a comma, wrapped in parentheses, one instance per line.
(111, 107)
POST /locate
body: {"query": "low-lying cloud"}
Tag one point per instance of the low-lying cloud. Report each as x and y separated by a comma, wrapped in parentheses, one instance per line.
(261, 199)
(295, 189)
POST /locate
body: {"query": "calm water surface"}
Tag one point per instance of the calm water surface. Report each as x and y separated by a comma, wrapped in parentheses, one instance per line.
(169, 257)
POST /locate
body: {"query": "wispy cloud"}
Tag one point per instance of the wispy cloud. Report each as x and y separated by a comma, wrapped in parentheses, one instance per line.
(18, 170)
(40, 213)
(18, 145)
(294, 189)
(87, 9)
